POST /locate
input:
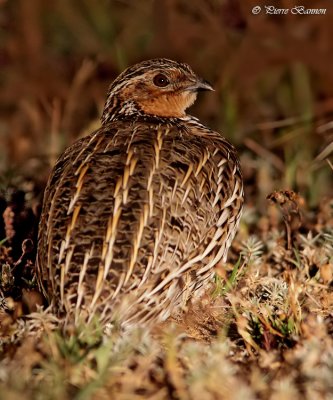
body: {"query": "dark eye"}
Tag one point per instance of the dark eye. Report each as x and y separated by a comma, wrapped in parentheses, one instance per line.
(161, 80)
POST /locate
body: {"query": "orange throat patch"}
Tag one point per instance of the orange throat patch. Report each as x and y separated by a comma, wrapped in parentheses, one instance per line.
(168, 105)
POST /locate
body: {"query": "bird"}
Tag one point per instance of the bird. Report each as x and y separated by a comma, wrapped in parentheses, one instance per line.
(137, 214)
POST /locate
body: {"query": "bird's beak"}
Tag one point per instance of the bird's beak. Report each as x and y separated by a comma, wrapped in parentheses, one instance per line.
(200, 85)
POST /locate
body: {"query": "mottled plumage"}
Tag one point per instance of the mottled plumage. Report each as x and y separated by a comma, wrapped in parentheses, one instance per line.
(138, 213)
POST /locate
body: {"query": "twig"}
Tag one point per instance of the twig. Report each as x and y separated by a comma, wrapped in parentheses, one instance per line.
(264, 153)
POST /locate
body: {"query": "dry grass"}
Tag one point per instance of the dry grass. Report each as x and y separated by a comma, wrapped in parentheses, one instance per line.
(264, 329)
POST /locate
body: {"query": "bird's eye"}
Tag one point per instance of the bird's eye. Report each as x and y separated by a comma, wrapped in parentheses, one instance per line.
(161, 80)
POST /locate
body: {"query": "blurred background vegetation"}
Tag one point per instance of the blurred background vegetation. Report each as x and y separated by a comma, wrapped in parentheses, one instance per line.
(273, 76)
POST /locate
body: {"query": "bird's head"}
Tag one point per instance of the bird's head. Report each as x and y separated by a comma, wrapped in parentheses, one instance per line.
(157, 88)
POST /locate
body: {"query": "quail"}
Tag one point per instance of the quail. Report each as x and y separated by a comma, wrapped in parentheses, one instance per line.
(137, 214)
